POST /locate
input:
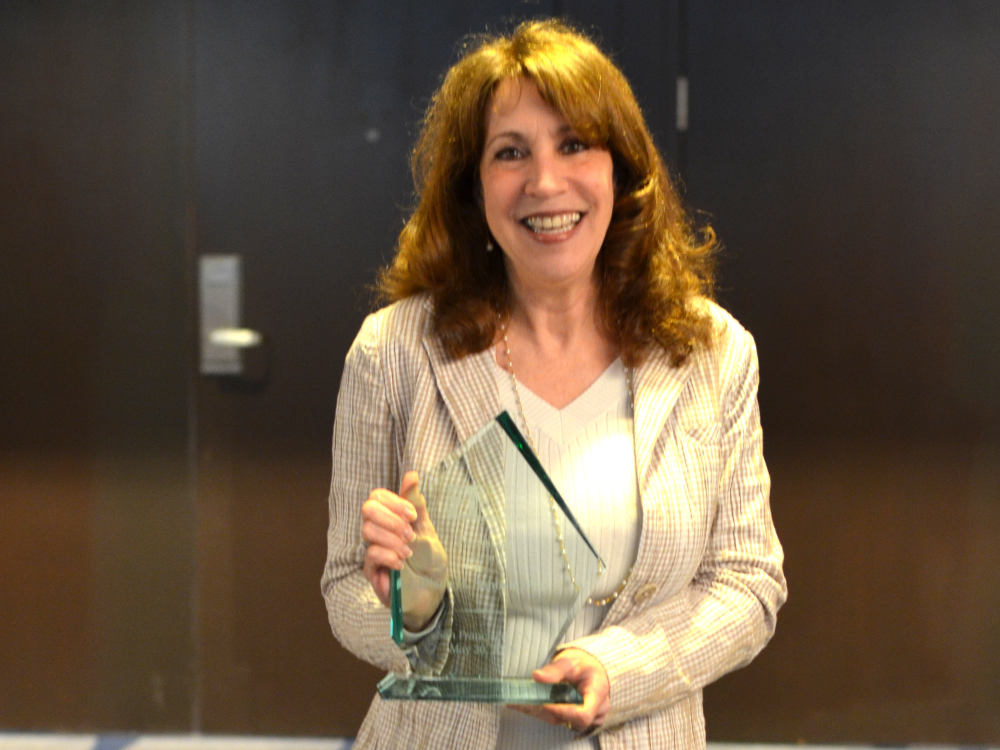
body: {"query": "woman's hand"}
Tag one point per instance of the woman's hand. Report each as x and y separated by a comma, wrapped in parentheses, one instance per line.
(401, 537)
(589, 676)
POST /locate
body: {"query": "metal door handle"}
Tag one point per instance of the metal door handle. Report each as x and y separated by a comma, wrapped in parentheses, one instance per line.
(235, 338)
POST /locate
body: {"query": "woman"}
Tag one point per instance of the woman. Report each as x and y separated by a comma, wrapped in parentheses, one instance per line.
(548, 269)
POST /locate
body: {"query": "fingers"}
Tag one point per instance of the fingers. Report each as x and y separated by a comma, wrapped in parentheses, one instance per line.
(386, 556)
(388, 511)
(397, 528)
(410, 489)
(410, 483)
(555, 671)
(594, 709)
(383, 504)
(377, 532)
(588, 675)
(574, 718)
(386, 528)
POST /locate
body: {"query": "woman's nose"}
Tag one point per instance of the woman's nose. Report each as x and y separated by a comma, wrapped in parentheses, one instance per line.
(547, 176)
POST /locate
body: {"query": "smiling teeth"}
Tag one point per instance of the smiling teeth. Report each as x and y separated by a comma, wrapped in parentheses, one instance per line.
(553, 224)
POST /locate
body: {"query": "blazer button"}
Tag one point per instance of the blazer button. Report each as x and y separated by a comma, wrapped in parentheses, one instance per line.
(645, 591)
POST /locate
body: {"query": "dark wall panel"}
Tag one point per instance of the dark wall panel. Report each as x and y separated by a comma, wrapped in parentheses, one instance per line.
(94, 492)
(644, 41)
(847, 155)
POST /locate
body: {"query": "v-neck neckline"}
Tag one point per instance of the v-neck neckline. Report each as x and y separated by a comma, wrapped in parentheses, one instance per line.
(564, 425)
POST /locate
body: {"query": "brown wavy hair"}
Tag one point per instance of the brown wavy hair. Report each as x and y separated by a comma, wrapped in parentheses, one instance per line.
(653, 266)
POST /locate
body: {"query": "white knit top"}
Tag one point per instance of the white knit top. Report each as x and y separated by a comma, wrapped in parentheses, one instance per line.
(588, 450)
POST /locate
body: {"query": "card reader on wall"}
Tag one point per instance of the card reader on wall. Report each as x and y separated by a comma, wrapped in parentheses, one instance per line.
(223, 339)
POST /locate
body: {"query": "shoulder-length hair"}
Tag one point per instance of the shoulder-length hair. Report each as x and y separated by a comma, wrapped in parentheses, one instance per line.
(653, 266)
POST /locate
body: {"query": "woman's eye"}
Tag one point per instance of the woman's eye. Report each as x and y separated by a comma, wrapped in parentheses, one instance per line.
(508, 154)
(574, 145)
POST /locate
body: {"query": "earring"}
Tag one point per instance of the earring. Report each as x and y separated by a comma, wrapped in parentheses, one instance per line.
(489, 245)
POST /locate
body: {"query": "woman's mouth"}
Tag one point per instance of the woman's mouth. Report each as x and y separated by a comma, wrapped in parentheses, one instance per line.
(552, 224)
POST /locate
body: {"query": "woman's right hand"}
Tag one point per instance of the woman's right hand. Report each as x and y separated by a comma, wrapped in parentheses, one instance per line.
(401, 536)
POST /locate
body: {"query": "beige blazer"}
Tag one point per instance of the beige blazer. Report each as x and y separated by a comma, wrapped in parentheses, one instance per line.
(707, 583)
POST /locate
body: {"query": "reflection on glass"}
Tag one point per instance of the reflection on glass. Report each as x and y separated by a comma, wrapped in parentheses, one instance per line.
(485, 534)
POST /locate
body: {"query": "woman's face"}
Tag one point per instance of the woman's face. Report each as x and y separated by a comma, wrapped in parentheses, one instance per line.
(547, 194)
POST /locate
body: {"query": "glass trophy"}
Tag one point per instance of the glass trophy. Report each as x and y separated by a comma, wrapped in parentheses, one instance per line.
(519, 571)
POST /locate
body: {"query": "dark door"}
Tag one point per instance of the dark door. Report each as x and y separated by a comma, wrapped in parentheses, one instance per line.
(306, 113)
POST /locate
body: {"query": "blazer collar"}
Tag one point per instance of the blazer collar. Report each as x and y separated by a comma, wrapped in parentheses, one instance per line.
(657, 385)
(469, 391)
(468, 386)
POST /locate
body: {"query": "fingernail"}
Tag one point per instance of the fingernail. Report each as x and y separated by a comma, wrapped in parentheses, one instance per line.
(409, 534)
(407, 552)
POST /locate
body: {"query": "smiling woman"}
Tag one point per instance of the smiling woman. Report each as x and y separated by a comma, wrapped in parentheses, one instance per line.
(547, 233)
(653, 265)
(547, 194)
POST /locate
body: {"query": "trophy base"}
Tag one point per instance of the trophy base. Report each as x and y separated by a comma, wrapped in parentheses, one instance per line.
(514, 691)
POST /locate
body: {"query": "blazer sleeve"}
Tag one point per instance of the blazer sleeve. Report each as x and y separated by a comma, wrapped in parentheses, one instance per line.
(364, 457)
(727, 613)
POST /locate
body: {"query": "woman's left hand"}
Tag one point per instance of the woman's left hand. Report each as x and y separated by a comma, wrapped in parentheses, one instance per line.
(589, 676)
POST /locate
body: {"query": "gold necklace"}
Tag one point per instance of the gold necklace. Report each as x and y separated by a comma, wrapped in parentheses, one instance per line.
(555, 516)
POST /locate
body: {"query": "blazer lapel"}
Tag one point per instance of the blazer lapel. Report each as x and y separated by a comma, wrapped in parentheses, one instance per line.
(469, 391)
(468, 388)
(657, 386)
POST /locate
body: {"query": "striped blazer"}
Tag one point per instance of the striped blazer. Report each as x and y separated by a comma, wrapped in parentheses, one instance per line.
(707, 582)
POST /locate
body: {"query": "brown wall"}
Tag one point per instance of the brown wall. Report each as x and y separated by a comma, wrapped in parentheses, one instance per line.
(95, 497)
(846, 154)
